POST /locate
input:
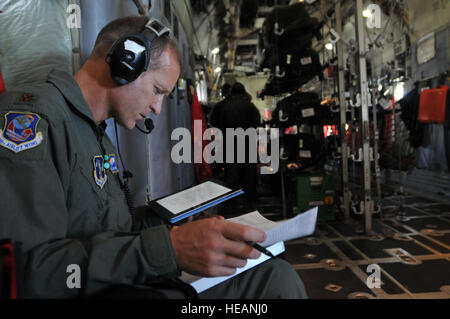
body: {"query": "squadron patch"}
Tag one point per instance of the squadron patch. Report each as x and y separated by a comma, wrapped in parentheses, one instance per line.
(100, 176)
(19, 133)
(113, 164)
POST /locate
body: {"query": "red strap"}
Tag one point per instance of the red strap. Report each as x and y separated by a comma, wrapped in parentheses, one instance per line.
(202, 169)
(10, 265)
(2, 83)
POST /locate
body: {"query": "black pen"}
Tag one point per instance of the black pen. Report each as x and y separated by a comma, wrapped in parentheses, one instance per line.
(261, 249)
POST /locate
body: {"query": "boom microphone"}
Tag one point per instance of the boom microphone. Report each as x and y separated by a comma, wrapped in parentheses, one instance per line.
(149, 125)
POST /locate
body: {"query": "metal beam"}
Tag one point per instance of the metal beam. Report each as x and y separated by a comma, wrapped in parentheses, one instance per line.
(143, 10)
(365, 127)
(376, 137)
(343, 112)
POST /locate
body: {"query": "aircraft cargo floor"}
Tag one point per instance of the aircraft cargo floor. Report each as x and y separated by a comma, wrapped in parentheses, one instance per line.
(413, 255)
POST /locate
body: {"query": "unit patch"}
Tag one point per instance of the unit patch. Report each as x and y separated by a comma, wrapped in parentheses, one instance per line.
(19, 133)
(100, 176)
(112, 161)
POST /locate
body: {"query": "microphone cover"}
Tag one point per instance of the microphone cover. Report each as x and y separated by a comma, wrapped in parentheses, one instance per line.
(149, 125)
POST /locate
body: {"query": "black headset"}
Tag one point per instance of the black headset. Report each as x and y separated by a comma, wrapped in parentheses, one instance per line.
(129, 56)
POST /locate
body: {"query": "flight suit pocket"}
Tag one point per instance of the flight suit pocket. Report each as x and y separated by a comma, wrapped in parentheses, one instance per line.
(112, 212)
(117, 203)
(93, 196)
(85, 205)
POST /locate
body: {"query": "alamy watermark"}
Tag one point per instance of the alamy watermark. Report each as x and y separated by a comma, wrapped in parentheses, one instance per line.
(257, 148)
(74, 279)
(74, 19)
(373, 15)
(374, 280)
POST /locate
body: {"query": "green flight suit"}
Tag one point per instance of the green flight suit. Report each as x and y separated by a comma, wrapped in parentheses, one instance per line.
(62, 208)
(53, 205)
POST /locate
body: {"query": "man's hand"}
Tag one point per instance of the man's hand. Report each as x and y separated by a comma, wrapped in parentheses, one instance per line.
(213, 246)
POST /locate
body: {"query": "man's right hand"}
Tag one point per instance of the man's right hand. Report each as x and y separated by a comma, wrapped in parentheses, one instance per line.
(213, 246)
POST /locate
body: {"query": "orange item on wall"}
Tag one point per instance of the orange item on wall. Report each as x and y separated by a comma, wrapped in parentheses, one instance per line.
(432, 106)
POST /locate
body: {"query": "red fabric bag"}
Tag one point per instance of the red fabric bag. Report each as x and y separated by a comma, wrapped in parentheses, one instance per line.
(203, 170)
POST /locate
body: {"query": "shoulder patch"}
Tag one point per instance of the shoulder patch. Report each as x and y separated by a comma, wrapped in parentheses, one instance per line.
(19, 132)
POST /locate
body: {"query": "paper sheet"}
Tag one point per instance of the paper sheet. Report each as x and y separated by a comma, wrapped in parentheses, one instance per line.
(202, 283)
(192, 197)
(299, 226)
(277, 232)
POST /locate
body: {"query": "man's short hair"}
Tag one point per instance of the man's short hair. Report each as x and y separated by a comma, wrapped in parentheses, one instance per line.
(238, 89)
(127, 26)
(225, 90)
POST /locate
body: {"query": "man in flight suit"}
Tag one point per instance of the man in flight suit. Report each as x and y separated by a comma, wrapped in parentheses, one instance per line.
(62, 197)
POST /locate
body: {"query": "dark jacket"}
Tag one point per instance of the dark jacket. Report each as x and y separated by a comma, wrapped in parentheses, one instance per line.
(239, 111)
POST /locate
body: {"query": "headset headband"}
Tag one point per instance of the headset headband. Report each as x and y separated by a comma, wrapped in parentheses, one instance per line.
(156, 27)
(129, 56)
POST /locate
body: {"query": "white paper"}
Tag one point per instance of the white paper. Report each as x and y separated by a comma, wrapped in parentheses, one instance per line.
(202, 283)
(308, 112)
(305, 154)
(307, 60)
(277, 232)
(192, 197)
(299, 226)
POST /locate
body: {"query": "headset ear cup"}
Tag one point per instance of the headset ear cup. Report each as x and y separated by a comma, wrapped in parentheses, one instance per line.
(128, 58)
(113, 58)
